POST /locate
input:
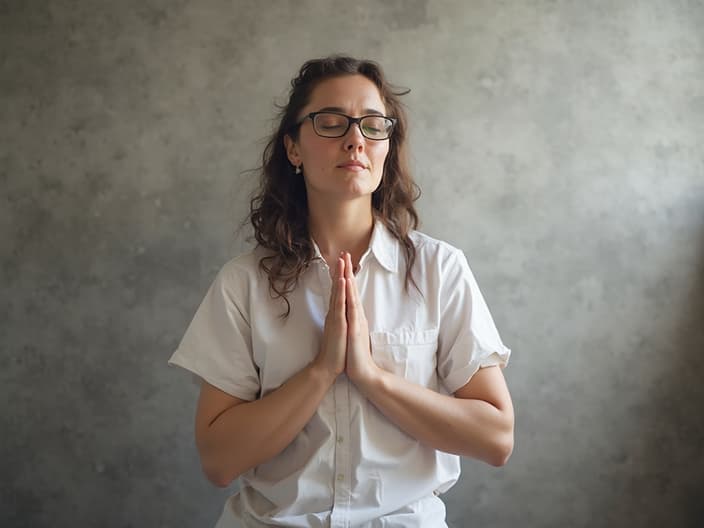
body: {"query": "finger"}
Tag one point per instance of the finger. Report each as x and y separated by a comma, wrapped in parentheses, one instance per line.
(351, 305)
(339, 275)
(353, 292)
(335, 289)
(348, 266)
(349, 275)
(339, 266)
(342, 298)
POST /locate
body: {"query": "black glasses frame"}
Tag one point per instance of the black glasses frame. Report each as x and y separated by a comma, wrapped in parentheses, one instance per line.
(350, 121)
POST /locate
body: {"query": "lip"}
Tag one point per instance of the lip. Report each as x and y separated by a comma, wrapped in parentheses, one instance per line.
(353, 165)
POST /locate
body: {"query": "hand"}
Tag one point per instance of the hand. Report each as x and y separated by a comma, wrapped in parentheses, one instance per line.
(360, 367)
(333, 349)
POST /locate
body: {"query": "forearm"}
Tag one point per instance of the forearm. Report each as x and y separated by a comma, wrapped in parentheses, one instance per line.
(252, 433)
(468, 427)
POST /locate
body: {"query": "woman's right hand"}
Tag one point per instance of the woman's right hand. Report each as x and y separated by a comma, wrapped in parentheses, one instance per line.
(333, 349)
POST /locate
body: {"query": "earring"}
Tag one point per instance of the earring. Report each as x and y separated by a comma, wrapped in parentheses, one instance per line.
(298, 169)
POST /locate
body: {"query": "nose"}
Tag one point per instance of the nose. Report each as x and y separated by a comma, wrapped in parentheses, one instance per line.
(354, 140)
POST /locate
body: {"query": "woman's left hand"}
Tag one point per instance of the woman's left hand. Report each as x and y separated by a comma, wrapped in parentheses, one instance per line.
(360, 367)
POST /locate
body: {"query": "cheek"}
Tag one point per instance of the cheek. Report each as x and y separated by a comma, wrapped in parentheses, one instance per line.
(318, 151)
(379, 155)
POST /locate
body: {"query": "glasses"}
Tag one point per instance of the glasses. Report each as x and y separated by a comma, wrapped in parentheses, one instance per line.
(335, 125)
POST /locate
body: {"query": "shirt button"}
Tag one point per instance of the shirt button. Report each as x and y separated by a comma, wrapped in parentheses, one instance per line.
(339, 440)
(340, 477)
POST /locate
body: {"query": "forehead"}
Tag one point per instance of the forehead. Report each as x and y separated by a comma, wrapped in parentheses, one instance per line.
(355, 94)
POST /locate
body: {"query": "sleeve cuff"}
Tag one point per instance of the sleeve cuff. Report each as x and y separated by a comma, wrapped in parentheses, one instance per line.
(459, 378)
(198, 376)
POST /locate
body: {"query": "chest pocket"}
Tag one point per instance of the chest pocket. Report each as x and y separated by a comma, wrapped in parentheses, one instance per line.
(410, 354)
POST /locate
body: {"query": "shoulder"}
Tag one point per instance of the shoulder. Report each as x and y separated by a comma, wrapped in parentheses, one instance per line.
(434, 249)
(439, 258)
(246, 261)
(242, 269)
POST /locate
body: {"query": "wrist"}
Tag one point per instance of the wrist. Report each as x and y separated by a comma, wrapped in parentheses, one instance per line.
(321, 374)
(369, 379)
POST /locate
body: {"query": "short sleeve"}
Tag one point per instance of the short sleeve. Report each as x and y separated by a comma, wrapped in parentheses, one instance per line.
(468, 339)
(217, 345)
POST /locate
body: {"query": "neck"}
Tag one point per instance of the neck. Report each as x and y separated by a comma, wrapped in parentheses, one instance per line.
(341, 226)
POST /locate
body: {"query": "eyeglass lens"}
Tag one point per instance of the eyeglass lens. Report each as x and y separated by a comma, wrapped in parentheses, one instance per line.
(336, 125)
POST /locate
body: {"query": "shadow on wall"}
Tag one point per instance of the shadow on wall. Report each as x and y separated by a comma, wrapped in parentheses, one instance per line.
(661, 474)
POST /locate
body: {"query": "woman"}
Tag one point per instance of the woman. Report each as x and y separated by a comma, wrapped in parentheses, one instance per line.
(348, 359)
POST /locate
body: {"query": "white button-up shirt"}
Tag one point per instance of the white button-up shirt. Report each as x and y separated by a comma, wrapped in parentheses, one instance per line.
(349, 466)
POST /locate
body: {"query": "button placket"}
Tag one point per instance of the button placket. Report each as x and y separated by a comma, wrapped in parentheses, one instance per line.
(325, 282)
(342, 486)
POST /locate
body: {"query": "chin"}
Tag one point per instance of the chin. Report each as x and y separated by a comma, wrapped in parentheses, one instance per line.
(356, 190)
(364, 186)
(347, 190)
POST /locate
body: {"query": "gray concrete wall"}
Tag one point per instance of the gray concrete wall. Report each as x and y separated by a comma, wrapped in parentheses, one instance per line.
(558, 143)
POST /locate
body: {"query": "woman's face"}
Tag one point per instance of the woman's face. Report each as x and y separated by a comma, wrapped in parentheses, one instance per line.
(326, 162)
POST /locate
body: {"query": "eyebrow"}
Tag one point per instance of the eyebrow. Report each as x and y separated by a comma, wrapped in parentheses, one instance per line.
(367, 111)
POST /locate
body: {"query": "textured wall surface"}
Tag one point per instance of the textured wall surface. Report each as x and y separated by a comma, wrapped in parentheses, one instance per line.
(558, 143)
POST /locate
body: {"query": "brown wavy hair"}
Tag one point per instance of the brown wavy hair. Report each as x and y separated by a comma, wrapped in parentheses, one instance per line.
(279, 209)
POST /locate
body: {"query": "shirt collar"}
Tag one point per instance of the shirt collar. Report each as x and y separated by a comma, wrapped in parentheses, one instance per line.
(382, 245)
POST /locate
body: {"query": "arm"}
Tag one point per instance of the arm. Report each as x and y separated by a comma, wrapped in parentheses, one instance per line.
(233, 435)
(478, 422)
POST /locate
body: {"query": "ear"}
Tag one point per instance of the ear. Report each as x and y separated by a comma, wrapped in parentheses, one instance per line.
(292, 151)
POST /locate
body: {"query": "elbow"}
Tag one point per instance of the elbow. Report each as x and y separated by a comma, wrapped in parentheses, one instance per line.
(219, 481)
(216, 473)
(216, 469)
(501, 451)
(503, 442)
(500, 458)
(217, 477)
